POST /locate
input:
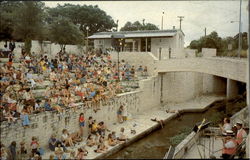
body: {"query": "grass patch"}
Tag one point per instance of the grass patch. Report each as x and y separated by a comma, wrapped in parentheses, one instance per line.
(175, 140)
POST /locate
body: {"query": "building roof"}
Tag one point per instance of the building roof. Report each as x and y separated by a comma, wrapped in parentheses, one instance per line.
(136, 34)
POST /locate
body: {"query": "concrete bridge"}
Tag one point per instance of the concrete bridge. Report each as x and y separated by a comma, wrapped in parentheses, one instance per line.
(222, 73)
(232, 68)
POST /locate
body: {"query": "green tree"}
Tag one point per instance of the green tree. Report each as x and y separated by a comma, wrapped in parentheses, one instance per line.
(136, 26)
(195, 44)
(210, 41)
(221, 44)
(92, 16)
(150, 26)
(7, 9)
(244, 41)
(28, 22)
(64, 32)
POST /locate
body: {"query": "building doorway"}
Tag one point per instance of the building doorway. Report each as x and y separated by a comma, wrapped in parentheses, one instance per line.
(145, 44)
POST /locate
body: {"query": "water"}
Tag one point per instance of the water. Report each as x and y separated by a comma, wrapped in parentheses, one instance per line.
(155, 145)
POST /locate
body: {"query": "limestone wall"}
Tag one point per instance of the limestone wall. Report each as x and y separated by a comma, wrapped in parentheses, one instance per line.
(183, 86)
(137, 59)
(164, 43)
(242, 116)
(185, 145)
(190, 52)
(150, 97)
(51, 48)
(208, 52)
(44, 124)
(214, 84)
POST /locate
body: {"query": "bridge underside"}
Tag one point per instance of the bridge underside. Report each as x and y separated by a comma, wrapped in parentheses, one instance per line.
(183, 86)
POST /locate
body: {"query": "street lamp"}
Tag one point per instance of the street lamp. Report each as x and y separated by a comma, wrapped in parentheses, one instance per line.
(87, 45)
(162, 20)
(117, 38)
(239, 47)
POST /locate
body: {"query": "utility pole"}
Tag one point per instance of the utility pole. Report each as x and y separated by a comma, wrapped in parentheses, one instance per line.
(205, 31)
(239, 31)
(248, 57)
(181, 19)
(162, 20)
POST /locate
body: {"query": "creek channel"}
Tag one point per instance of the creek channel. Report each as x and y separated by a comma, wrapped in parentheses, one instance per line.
(156, 144)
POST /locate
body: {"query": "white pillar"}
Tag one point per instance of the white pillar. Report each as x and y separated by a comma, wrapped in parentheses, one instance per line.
(232, 88)
(133, 46)
(139, 45)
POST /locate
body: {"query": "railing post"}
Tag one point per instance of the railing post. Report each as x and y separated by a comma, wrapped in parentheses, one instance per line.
(169, 53)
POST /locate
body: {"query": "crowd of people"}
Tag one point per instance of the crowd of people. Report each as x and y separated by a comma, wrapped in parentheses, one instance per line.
(91, 78)
(233, 139)
(87, 78)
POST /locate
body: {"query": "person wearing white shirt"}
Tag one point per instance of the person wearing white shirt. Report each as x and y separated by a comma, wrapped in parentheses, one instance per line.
(241, 133)
(29, 77)
(226, 126)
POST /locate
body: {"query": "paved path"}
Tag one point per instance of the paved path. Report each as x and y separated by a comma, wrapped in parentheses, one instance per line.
(216, 144)
(143, 125)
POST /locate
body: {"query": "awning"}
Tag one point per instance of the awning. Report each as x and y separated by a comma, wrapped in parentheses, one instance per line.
(135, 34)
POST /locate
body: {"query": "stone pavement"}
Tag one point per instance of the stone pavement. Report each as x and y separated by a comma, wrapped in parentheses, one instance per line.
(143, 125)
(199, 103)
(215, 144)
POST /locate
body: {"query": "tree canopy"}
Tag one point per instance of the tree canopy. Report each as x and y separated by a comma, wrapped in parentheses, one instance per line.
(7, 9)
(137, 26)
(221, 44)
(92, 16)
(28, 22)
(65, 32)
(31, 20)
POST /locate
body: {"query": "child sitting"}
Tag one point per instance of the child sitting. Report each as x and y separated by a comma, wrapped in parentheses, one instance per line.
(111, 141)
(122, 136)
(90, 141)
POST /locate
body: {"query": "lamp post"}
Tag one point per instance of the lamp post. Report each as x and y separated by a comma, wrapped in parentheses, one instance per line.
(87, 44)
(117, 46)
(239, 47)
(118, 58)
(162, 20)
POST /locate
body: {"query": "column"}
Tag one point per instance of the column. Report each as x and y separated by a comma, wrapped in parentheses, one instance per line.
(232, 88)
(139, 45)
(146, 44)
(133, 46)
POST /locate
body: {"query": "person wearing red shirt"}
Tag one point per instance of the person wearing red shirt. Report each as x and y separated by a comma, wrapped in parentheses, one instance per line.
(81, 123)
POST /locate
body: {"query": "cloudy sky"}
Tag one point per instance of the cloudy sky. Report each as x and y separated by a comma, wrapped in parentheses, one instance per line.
(214, 15)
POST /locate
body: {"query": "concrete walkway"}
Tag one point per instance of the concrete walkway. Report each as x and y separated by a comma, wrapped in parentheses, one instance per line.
(216, 146)
(143, 125)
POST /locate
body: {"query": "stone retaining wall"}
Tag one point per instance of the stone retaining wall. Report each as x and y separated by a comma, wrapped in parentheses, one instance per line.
(137, 59)
(44, 124)
(242, 115)
(185, 145)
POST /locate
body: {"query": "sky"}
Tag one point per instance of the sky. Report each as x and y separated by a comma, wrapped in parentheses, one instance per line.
(198, 15)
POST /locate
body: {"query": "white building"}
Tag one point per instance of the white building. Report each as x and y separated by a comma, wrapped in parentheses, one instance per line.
(143, 41)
